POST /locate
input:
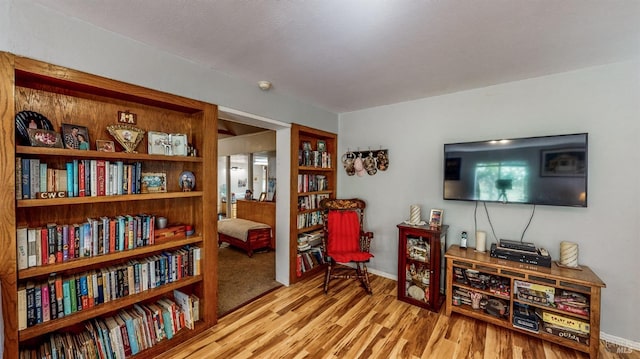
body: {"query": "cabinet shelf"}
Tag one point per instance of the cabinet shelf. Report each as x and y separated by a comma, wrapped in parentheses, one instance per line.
(414, 260)
(309, 229)
(300, 194)
(26, 203)
(552, 309)
(45, 328)
(315, 169)
(557, 278)
(485, 292)
(92, 154)
(104, 258)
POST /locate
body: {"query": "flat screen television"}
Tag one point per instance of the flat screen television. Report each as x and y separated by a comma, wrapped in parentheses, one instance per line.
(548, 170)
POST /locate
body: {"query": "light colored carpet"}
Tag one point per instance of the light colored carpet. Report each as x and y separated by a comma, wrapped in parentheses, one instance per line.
(242, 279)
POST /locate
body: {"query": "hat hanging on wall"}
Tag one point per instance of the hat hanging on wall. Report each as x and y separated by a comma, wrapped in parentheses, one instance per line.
(369, 162)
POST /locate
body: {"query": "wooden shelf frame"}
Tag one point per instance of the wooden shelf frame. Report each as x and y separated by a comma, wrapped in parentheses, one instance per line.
(68, 96)
(299, 134)
(583, 281)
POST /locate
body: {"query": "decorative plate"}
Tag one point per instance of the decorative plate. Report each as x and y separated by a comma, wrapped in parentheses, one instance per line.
(187, 181)
(29, 119)
(127, 136)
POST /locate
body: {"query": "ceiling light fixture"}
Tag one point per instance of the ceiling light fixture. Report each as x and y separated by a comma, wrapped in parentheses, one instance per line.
(265, 85)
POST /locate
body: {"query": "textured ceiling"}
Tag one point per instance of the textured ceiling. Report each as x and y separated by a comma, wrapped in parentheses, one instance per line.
(345, 55)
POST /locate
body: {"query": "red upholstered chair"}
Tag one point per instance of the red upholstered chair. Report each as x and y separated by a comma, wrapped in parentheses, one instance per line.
(345, 240)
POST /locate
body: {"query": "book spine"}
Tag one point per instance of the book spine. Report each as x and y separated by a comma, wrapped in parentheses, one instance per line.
(18, 178)
(60, 295)
(94, 177)
(59, 244)
(53, 303)
(38, 303)
(76, 179)
(66, 290)
(26, 180)
(31, 304)
(44, 246)
(43, 177)
(81, 179)
(69, 167)
(46, 307)
(31, 248)
(100, 170)
(65, 243)
(22, 248)
(22, 307)
(34, 184)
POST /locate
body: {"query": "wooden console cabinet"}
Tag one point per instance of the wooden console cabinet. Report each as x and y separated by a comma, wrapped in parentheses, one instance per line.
(420, 265)
(513, 285)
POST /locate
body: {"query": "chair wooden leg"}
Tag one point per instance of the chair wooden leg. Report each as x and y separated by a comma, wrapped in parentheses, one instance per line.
(365, 277)
(327, 277)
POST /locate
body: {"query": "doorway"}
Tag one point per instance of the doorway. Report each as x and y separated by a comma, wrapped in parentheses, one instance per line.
(247, 172)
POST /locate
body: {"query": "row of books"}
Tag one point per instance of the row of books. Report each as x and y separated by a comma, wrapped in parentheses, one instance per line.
(57, 297)
(314, 159)
(309, 259)
(57, 243)
(127, 333)
(311, 201)
(79, 178)
(309, 219)
(312, 183)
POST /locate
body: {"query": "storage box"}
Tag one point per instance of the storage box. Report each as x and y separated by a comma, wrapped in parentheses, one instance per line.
(534, 293)
(525, 318)
(565, 333)
(567, 322)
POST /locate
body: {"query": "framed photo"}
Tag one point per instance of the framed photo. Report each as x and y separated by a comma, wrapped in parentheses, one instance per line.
(179, 144)
(321, 146)
(153, 182)
(158, 143)
(263, 197)
(105, 146)
(567, 162)
(75, 137)
(127, 136)
(44, 138)
(435, 218)
(306, 146)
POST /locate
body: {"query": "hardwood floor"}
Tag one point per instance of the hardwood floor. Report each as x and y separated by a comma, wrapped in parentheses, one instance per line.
(300, 321)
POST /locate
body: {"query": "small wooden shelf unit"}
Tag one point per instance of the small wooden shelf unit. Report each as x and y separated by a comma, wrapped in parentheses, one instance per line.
(63, 95)
(584, 282)
(304, 172)
(421, 265)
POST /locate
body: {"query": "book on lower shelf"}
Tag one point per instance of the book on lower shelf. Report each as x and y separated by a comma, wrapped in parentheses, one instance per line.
(125, 333)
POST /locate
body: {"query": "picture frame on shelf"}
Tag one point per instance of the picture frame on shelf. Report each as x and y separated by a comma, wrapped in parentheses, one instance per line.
(158, 143)
(435, 217)
(306, 145)
(179, 144)
(75, 137)
(105, 146)
(153, 182)
(129, 137)
(321, 145)
(44, 138)
(263, 197)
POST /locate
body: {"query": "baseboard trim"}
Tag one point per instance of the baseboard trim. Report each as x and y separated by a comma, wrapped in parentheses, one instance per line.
(620, 345)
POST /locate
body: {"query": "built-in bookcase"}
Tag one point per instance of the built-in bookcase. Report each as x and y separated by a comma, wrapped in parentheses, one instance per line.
(313, 177)
(71, 97)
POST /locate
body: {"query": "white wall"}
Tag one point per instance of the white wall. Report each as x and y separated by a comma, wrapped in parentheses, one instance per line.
(603, 101)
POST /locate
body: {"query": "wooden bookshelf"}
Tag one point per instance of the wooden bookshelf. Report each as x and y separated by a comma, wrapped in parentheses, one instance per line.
(67, 96)
(302, 136)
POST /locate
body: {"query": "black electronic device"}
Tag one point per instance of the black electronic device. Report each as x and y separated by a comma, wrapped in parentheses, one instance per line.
(517, 245)
(533, 258)
(518, 170)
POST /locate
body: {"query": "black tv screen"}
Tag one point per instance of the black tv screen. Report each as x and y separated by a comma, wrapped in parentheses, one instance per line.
(549, 170)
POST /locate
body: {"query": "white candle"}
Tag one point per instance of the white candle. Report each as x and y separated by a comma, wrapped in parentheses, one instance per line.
(569, 254)
(481, 241)
(414, 217)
